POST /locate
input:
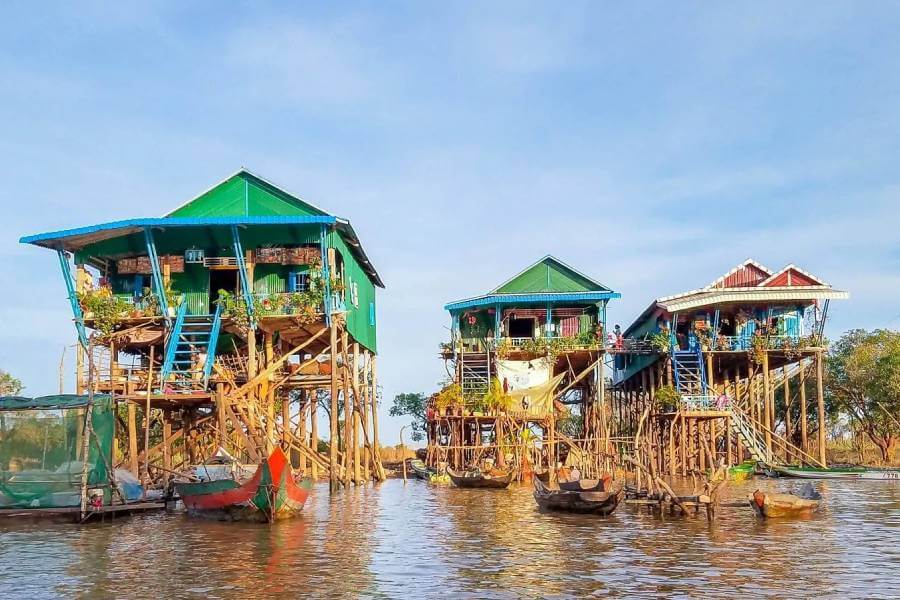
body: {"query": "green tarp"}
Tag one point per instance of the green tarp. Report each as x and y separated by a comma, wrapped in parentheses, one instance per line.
(42, 445)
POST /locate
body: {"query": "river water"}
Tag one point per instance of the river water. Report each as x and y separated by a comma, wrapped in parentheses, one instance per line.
(416, 540)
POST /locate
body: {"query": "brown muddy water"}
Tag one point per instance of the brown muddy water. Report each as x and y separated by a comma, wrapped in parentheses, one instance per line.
(393, 541)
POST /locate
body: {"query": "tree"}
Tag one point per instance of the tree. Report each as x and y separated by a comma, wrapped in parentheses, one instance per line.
(412, 405)
(9, 385)
(863, 377)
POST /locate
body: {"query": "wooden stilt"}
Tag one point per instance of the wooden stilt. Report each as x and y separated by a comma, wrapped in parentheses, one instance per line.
(333, 417)
(820, 401)
(314, 430)
(804, 425)
(767, 392)
(348, 410)
(133, 439)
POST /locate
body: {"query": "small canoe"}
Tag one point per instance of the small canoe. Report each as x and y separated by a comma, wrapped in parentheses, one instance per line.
(549, 497)
(839, 473)
(420, 470)
(586, 485)
(771, 506)
(494, 479)
(270, 494)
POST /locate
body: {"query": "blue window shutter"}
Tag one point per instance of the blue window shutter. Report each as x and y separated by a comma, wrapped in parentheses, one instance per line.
(138, 286)
(292, 281)
(372, 314)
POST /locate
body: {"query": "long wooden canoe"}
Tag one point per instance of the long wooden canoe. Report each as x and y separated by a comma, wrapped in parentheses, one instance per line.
(586, 485)
(549, 497)
(839, 473)
(420, 470)
(270, 494)
(478, 479)
(769, 506)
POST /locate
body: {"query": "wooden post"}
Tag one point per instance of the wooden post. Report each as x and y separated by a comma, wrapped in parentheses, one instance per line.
(147, 418)
(375, 446)
(314, 430)
(286, 420)
(167, 440)
(221, 416)
(332, 432)
(788, 434)
(270, 395)
(133, 439)
(348, 409)
(356, 416)
(804, 426)
(365, 409)
(820, 400)
(710, 379)
(767, 391)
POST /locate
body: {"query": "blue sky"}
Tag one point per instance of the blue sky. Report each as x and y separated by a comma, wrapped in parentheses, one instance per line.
(652, 147)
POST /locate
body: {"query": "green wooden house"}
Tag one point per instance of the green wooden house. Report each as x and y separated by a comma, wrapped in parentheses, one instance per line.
(243, 256)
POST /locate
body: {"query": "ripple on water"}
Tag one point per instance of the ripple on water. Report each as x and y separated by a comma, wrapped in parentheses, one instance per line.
(395, 540)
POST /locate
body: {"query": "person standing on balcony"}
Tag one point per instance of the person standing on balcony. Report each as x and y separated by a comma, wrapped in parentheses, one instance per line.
(620, 340)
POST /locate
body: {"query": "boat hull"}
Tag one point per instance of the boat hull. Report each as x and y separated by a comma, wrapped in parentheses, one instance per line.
(595, 503)
(420, 470)
(497, 482)
(774, 506)
(860, 473)
(269, 495)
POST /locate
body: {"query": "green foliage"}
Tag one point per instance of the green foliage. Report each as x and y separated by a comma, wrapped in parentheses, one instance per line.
(571, 424)
(660, 342)
(863, 377)
(9, 385)
(106, 310)
(495, 398)
(412, 405)
(450, 395)
(668, 398)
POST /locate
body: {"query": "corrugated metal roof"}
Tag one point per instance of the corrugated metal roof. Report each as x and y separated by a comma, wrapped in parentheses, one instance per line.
(491, 299)
(755, 295)
(72, 240)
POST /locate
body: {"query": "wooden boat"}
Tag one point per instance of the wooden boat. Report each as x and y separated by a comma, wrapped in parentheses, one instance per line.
(849, 472)
(495, 479)
(786, 505)
(270, 494)
(420, 470)
(586, 485)
(550, 497)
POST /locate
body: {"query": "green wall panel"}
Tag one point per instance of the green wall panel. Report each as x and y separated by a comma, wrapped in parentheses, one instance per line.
(359, 323)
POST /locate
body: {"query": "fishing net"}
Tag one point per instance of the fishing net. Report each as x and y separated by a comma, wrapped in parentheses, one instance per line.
(42, 448)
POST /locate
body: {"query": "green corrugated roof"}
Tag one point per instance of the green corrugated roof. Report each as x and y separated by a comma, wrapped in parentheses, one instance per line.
(245, 195)
(547, 275)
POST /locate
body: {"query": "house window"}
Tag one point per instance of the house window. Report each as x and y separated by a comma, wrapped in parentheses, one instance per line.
(355, 294)
(372, 314)
(298, 282)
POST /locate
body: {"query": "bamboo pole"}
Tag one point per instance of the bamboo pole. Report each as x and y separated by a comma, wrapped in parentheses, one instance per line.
(220, 414)
(767, 390)
(804, 425)
(820, 401)
(375, 444)
(786, 390)
(269, 395)
(332, 432)
(147, 419)
(366, 399)
(348, 409)
(314, 430)
(133, 439)
(357, 401)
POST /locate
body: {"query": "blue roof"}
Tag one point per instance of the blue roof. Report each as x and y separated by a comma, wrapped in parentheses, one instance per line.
(73, 240)
(117, 227)
(492, 299)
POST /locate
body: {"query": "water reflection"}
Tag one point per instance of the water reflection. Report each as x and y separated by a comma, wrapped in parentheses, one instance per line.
(396, 540)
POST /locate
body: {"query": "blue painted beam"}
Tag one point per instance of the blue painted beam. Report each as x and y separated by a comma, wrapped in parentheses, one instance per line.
(73, 297)
(246, 284)
(159, 287)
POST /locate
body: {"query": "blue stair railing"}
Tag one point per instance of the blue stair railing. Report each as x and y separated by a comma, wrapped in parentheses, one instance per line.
(190, 353)
(213, 342)
(172, 345)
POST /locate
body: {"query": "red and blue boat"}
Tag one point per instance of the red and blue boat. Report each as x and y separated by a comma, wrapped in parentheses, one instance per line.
(270, 494)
